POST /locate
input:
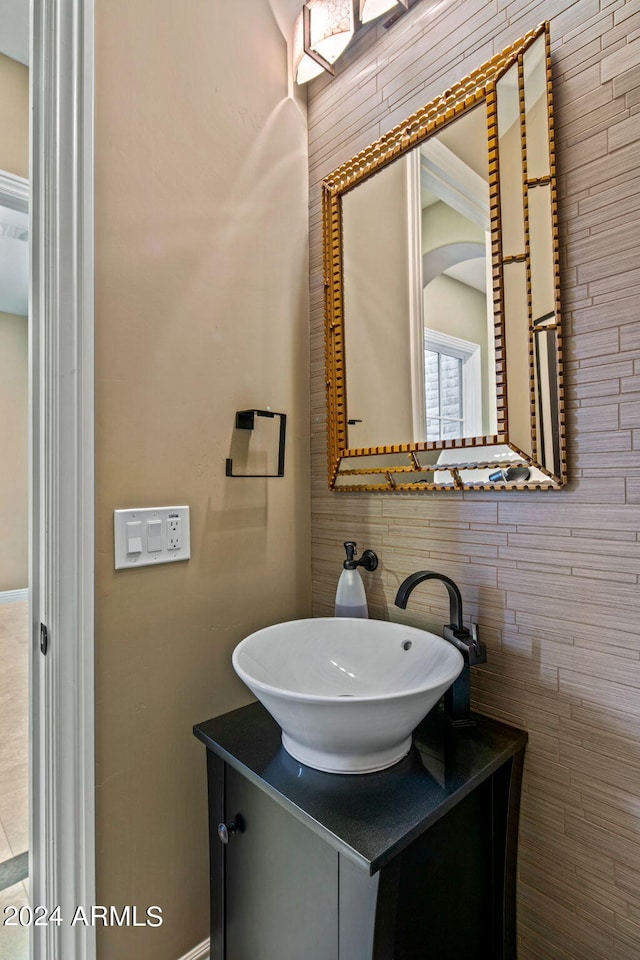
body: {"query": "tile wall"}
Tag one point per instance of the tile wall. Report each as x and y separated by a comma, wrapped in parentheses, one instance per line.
(551, 577)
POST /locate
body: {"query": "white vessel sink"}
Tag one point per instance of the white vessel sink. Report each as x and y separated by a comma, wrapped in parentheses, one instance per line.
(347, 693)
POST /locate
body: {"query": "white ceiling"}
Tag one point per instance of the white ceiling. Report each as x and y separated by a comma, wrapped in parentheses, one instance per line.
(14, 29)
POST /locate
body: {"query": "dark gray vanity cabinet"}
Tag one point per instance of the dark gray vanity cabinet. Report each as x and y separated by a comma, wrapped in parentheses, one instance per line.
(412, 863)
(279, 881)
(277, 889)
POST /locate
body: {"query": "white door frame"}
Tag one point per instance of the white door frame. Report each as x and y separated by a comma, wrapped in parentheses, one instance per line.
(62, 841)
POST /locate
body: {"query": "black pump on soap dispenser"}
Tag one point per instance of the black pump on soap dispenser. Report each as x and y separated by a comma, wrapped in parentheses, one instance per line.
(351, 599)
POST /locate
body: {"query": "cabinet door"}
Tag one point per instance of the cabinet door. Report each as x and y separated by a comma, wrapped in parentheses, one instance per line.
(281, 882)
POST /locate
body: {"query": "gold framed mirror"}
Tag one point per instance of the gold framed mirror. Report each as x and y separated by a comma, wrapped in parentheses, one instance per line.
(443, 339)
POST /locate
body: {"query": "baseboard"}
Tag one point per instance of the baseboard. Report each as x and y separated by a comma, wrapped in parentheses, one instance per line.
(12, 596)
(201, 952)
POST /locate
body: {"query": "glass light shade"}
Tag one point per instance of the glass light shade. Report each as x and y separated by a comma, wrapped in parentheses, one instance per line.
(370, 9)
(331, 27)
(304, 67)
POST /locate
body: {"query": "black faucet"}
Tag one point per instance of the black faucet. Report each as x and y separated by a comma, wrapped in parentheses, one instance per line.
(465, 640)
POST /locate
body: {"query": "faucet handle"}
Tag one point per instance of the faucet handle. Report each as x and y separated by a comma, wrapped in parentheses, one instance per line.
(477, 649)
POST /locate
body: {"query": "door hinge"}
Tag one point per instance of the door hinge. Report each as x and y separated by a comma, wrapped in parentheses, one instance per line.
(44, 639)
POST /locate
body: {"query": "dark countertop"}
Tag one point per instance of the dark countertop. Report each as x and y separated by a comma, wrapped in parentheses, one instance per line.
(368, 817)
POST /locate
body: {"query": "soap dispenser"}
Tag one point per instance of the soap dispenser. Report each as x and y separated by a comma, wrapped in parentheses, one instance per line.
(351, 600)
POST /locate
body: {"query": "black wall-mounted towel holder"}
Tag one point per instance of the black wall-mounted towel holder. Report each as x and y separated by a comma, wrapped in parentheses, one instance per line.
(245, 420)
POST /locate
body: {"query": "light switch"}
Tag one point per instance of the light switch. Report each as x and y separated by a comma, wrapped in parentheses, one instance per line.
(134, 538)
(154, 535)
(151, 536)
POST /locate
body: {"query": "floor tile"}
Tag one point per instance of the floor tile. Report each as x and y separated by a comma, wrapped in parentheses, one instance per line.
(15, 776)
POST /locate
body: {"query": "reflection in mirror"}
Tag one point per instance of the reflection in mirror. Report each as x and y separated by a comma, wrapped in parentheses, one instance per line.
(536, 114)
(458, 356)
(541, 243)
(437, 347)
(511, 171)
(442, 278)
(546, 353)
(376, 298)
(517, 355)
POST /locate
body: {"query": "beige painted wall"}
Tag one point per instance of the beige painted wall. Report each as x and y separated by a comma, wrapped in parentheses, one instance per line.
(552, 577)
(201, 310)
(441, 225)
(14, 116)
(14, 434)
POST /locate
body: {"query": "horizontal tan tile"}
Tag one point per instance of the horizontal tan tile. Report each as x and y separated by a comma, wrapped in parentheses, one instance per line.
(564, 920)
(542, 573)
(621, 61)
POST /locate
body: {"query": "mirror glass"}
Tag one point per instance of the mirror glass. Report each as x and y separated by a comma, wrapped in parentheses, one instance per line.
(441, 271)
(418, 296)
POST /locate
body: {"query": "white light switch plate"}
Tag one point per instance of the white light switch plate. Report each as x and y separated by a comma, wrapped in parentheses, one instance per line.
(164, 529)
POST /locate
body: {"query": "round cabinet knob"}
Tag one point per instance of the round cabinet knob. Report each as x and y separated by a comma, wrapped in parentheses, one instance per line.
(227, 830)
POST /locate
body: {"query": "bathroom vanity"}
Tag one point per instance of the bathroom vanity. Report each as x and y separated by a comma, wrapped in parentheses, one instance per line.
(416, 862)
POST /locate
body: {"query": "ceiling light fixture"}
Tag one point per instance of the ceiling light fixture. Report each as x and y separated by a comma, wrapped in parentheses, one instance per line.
(325, 28)
(328, 26)
(305, 68)
(371, 9)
